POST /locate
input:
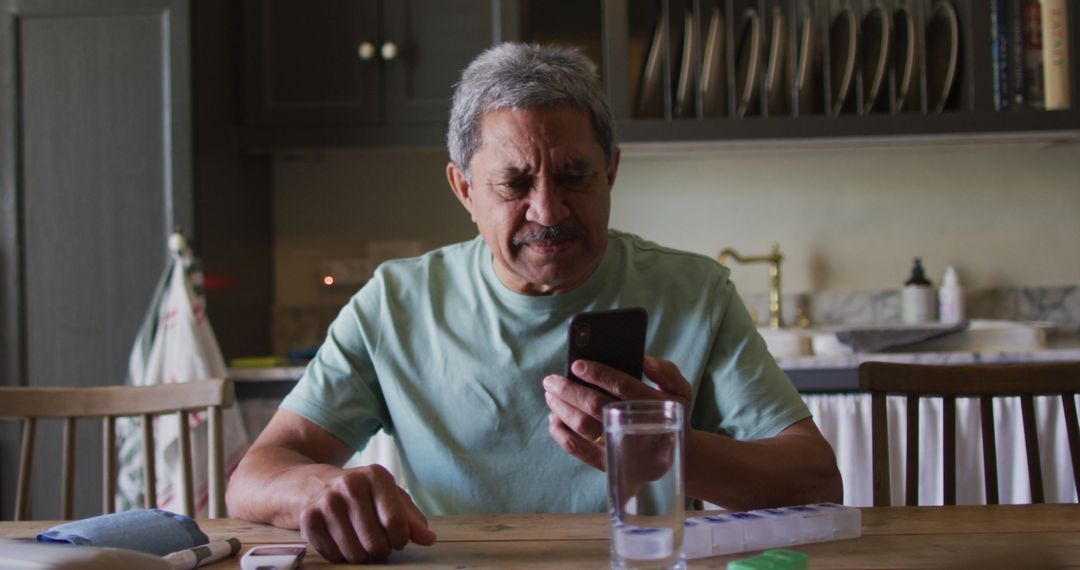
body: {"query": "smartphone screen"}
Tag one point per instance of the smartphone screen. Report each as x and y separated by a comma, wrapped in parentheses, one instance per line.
(615, 338)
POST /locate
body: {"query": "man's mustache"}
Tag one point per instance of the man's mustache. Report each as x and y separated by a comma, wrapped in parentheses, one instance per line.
(558, 232)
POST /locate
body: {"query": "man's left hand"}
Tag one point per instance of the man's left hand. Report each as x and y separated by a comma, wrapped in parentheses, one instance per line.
(576, 421)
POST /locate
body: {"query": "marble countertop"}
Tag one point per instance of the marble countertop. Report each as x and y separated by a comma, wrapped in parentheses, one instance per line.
(852, 361)
(268, 374)
(1058, 352)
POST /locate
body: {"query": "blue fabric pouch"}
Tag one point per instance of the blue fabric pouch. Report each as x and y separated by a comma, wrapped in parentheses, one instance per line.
(153, 531)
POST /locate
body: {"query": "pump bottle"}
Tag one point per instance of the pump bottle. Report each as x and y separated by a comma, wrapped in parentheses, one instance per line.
(951, 298)
(917, 303)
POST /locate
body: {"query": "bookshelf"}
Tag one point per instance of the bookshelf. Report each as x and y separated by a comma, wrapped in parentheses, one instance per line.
(785, 71)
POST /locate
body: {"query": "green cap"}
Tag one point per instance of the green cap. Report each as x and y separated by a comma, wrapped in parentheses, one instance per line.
(772, 560)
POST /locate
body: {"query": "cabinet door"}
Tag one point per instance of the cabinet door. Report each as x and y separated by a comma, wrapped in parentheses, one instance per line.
(309, 65)
(436, 39)
(94, 174)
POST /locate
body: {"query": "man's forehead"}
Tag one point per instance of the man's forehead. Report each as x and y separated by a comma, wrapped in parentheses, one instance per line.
(517, 136)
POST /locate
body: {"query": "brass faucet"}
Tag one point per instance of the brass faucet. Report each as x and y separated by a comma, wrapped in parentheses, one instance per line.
(773, 259)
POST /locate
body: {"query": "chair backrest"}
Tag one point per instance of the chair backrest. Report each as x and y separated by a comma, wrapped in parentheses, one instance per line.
(108, 403)
(985, 382)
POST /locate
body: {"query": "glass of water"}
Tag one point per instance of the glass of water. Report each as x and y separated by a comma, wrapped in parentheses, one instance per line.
(644, 441)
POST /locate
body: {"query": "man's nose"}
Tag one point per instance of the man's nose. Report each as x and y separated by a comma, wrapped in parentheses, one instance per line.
(546, 205)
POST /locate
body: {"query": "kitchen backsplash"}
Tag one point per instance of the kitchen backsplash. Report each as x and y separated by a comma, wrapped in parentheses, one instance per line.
(1058, 305)
(303, 327)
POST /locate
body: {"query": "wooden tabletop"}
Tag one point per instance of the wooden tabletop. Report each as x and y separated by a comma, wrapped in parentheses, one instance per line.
(1008, 536)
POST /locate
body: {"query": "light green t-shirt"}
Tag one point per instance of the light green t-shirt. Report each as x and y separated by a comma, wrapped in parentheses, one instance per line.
(439, 353)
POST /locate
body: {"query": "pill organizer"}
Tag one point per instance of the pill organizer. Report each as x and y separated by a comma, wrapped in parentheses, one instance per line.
(730, 533)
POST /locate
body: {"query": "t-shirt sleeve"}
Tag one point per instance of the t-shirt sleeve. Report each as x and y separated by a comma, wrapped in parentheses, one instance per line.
(743, 394)
(339, 390)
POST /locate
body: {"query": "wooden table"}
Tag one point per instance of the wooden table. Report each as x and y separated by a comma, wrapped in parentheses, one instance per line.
(1008, 536)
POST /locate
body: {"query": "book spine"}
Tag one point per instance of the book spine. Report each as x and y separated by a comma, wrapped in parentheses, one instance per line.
(1055, 46)
(1034, 93)
(999, 52)
(1015, 23)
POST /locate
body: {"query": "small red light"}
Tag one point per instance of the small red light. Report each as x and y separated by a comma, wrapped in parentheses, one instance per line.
(328, 280)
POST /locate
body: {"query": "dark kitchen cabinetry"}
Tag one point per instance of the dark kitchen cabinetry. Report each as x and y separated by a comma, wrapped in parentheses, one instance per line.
(357, 72)
(694, 71)
(728, 70)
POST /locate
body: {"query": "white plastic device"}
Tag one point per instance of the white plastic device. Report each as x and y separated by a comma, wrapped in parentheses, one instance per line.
(273, 557)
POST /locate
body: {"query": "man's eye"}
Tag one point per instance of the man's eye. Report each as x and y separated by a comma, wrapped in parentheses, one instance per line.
(517, 185)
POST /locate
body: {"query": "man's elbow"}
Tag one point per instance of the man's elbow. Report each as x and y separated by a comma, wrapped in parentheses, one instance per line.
(828, 486)
(236, 492)
(832, 487)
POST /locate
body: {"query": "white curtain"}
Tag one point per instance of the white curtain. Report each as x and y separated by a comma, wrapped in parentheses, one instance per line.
(844, 419)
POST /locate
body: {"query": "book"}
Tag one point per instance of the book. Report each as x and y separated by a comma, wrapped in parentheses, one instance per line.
(1055, 54)
(999, 53)
(1034, 93)
(1014, 9)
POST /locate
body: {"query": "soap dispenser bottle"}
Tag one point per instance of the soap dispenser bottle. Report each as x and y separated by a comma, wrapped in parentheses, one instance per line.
(951, 298)
(917, 301)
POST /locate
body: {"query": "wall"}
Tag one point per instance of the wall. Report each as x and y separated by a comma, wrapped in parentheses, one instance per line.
(847, 218)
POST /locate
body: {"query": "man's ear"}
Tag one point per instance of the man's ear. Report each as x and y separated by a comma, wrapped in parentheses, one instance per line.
(459, 183)
(614, 168)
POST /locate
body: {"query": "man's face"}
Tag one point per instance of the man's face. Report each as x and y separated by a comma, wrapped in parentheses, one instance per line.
(540, 196)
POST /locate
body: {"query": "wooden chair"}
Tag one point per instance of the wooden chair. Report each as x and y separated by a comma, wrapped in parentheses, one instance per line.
(108, 403)
(985, 382)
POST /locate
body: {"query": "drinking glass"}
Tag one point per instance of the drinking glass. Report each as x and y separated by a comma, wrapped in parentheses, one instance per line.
(644, 441)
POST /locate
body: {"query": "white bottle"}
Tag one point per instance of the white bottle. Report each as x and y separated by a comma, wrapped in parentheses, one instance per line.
(951, 298)
(917, 302)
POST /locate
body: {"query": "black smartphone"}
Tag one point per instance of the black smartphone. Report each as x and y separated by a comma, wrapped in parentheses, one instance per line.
(615, 338)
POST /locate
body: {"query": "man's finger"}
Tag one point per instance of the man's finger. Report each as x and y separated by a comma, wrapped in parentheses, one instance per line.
(369, 530)
(612, 380)
(419, 531)
(667, 377)
(313, 529)
(342, 526)
(587, 424)
(571, 442)
(389, 507)
(586, 398)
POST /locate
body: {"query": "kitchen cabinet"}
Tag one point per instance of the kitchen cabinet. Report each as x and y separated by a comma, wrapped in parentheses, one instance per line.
(317, 74)
(357, 71)
(95, 171)
(669, 98)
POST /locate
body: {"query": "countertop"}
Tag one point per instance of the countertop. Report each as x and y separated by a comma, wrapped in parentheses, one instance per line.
(833, 373)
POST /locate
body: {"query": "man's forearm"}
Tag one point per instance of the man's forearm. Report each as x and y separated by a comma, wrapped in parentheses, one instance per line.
(740, 475)
(273, 484)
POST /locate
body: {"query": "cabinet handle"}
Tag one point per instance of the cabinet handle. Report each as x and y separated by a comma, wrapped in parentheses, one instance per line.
(389, 51)
(365, 51)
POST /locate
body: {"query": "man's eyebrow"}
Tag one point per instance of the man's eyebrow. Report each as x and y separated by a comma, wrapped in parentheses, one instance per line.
(514, 171)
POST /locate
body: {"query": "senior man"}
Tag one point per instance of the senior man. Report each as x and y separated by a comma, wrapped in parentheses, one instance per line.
(456, 353)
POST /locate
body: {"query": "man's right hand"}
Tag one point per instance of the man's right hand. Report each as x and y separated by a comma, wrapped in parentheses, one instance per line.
(362, 513)
(291, 478)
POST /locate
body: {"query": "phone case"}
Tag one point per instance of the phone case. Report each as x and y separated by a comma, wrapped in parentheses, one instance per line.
(615, 338)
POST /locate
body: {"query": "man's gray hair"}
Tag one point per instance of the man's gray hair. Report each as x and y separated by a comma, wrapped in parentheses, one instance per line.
(514, 75)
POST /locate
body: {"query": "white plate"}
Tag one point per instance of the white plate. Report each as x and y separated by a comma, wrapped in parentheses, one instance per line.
(713, 68)
(651, 89)
(942, 50)
(843, 45)
(904, 56)
(684, 100)
(876, 42)
(748, 62)
(778, 97)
